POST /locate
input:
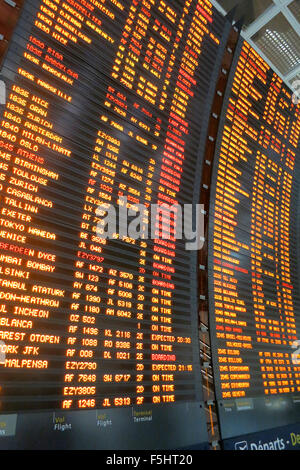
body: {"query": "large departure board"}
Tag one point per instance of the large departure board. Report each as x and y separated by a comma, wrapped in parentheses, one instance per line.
(253, 254)
(105, 101)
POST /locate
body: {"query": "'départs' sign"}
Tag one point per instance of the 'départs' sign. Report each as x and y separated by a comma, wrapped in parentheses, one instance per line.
(283, 438)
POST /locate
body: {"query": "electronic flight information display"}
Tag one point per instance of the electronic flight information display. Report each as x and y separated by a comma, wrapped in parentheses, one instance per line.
(105, 100)
(253, 254)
